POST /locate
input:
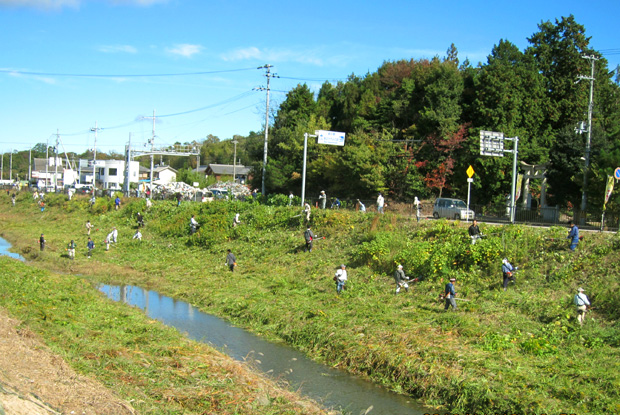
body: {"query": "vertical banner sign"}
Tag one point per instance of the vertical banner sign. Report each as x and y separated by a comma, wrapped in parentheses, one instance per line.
(519, 185)
(608, 189)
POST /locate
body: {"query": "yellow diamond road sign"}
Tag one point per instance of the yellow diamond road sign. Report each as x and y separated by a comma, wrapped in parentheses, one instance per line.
(470, 172)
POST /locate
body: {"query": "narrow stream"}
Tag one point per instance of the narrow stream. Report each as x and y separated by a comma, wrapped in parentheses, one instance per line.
(331, 387)
(4, 250)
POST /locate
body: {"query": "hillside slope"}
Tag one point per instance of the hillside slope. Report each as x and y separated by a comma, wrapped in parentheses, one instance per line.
(515, 351)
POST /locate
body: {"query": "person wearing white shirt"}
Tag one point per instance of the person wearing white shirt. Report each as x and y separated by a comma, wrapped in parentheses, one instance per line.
(341, 278)
(582, 303)
(380, 203)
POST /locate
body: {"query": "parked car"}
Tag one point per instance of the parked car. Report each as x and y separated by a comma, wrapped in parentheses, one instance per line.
(83, 189)
(451, 209)
(219, 193)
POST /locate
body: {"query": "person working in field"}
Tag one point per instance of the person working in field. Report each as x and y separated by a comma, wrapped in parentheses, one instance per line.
(90, 245)
(71, 249)
(309, 237)
(582, 303)
(341, 278)
(507, 273)
(193, 225)
(573, 235)
(89, 227)
(474, 232)
(307, 211)
(231, 260)
(450, 294)
(401, 279)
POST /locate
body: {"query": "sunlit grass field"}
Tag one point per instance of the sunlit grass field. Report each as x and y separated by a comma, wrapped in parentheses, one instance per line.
(516, 351)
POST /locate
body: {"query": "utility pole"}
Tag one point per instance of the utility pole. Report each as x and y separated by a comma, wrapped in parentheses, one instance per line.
(235, 162)
(152, 141)
(56, 161)
(11, 166)
(2, 166)
(47, 161)
(269, 75)
(29, 166)
(127, 167)
(590, 78)
(94, 154)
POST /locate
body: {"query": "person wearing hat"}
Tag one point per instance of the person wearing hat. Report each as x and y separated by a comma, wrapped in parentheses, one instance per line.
(309, 237)
(341, 278)
(449, 294)
(323, 199)
(507, 272)
(401, 279)
(582, 303)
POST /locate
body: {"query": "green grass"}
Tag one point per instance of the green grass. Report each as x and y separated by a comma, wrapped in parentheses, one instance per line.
(516, 351)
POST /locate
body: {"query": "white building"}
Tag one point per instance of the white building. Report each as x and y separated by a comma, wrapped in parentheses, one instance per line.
(53, 171)
(109, 174)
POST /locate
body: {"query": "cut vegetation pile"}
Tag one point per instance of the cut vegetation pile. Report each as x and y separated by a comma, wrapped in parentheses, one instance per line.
(516, 351)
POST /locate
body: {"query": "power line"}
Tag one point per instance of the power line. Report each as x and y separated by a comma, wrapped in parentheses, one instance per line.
(313, 79)
(226, 101)
(75, 75)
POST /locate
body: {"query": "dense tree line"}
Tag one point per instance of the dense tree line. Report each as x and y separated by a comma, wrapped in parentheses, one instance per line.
(413, 125)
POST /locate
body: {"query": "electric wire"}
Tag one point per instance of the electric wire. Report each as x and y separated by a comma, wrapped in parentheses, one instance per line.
(77, 75)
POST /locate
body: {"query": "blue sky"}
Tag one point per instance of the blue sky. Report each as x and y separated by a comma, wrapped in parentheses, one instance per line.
(116, 46)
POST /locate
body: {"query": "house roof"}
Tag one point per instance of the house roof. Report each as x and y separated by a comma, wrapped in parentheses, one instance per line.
(158, 169)
(228, 169)
(162, 168)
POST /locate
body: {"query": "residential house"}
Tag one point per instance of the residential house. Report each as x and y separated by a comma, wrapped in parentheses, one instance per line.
(242, 173)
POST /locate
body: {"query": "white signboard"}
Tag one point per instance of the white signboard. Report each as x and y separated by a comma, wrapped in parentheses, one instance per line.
(333, 138)
(491, 144)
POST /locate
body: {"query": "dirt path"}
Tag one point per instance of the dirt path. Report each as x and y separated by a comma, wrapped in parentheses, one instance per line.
(34, 381)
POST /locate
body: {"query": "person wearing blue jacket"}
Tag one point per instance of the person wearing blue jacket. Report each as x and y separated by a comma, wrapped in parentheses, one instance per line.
(573, 235)
(449, 294)
(507, 272)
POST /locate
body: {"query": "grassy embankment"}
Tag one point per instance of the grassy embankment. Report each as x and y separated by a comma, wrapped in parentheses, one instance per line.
(154, 367)
(516, 351)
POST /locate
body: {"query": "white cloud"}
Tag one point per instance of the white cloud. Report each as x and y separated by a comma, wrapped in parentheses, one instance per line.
(118, 49)
(275, 55)
(185, 50)
(40, 78)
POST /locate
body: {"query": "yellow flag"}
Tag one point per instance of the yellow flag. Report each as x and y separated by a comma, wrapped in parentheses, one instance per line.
(519, 184)
(608, 189)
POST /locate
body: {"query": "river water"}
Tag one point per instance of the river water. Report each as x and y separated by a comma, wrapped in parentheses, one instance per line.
(331, 387)
(4, 250)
